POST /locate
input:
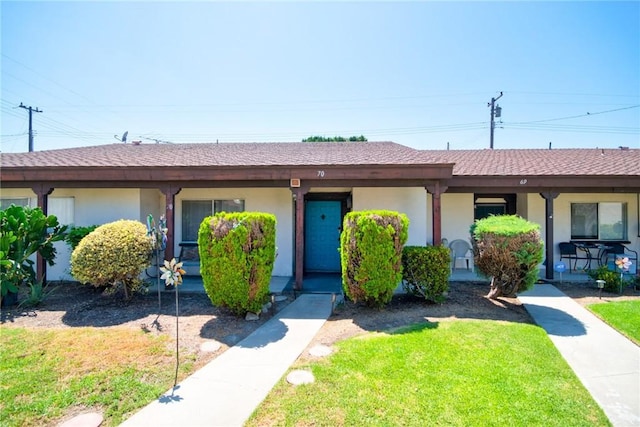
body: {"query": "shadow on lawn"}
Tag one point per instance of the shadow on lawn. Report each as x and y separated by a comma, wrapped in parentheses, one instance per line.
(83, 305)
(465, 300)
(78, 305)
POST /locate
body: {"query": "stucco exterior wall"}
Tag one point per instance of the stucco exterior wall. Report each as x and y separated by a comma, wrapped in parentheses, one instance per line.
(536, 212)
(277, 201)
(90, 206)
(562, 215)
(411, 201)
(457, 216)
(99, 206)
(102, 205)
(18, 193)
(151, 202)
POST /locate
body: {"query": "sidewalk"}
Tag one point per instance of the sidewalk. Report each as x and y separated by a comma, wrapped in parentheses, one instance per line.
(227, 390)
(606, 362)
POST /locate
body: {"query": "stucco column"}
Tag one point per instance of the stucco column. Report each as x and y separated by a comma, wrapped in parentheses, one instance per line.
(42, 191)
(170, 192)
(436, 215)
(548, 239)
(298, 195)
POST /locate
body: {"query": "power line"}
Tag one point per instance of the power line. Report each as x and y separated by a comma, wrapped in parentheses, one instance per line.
(604, 95)
(56, 83)
(579, 115)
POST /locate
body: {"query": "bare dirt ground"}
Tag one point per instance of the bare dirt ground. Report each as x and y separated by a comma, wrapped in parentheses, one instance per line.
(71, 305)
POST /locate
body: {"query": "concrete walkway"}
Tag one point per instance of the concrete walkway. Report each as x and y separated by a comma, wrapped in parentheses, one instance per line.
(228, 389)
(606, 362)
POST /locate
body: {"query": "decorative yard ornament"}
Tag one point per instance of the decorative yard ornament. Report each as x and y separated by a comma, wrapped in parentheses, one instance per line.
(623, 263)
(172, 273)
(560, 268)
(159, 240)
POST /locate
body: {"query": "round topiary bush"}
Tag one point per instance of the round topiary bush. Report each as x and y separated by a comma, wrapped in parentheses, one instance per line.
(509, 249)
(113, 256)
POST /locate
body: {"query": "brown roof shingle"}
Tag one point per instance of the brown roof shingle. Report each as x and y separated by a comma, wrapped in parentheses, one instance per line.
(555, 162)
(502, 162)
(224, 154)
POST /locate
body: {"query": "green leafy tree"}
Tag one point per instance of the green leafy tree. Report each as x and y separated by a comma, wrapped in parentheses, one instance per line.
(508, 249)
(76, 234)
(25, 231)
(319, 138)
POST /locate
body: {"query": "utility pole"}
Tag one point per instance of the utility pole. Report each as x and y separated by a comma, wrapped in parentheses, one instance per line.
(495, 112)
(31, 111)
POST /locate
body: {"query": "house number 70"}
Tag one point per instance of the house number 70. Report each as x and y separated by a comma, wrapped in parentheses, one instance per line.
(321, 174)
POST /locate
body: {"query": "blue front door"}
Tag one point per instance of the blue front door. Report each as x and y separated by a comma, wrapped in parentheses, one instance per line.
(322, 236)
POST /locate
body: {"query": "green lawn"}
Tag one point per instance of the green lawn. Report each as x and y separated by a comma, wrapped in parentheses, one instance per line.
(45, 373)
(622, 315)
(459, 373)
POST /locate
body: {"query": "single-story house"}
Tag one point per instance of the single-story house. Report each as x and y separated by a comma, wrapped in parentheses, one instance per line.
(585, 195)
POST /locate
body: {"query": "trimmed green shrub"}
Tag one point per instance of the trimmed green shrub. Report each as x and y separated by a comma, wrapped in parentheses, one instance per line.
(507, 248)
(612, 279)
(113, 256)
(371, 254)
(425, 271)
(75, 234)
(237, 251)
(25, 231)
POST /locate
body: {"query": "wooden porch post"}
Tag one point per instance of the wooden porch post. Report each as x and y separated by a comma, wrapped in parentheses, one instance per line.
(298, 194)
(42, 191)
(436, 215)
(548, 239)
(170, 192)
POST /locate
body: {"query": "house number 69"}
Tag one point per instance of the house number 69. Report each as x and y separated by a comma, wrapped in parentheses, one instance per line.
(321, 174)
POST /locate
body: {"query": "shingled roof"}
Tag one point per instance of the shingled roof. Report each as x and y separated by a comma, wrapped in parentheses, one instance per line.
(556, 162)
(224, 154)
(503, 162)
(387, 163)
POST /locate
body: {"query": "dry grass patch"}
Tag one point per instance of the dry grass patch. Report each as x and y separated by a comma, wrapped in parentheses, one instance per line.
(48, 374)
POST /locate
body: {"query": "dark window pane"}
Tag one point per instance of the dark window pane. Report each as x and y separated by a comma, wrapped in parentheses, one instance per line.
(484, 210)
(5, 203)
(235, 205)
(584, 220)
(193, 212)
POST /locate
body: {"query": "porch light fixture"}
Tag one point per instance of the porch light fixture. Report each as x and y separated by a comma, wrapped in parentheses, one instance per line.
(294, 182)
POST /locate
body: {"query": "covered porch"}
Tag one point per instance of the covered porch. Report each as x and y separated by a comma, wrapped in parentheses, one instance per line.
(332, 282)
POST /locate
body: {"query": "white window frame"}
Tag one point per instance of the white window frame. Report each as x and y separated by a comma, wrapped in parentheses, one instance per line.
(600, 233)
(215, 208)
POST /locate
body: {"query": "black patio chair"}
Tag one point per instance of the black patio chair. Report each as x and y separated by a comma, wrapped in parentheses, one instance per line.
(571, 252)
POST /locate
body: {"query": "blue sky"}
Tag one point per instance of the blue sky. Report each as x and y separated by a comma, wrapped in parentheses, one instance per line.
(417, 73)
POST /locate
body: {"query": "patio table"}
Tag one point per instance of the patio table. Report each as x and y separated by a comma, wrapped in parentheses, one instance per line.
(586, 248)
